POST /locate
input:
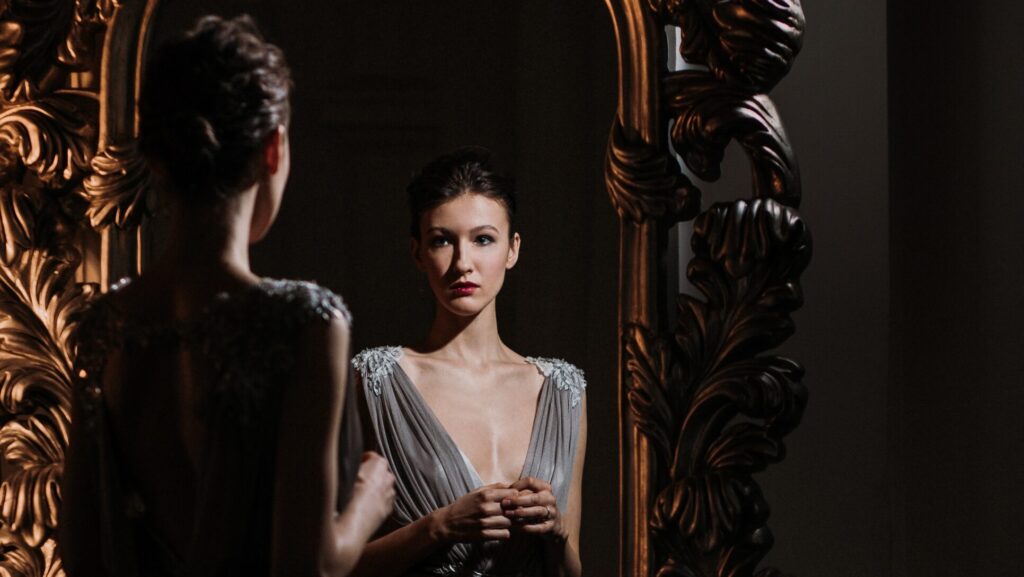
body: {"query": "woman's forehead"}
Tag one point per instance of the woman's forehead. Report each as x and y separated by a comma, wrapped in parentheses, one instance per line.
(468, 211)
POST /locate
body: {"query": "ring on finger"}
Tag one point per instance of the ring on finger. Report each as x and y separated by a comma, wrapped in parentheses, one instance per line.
(547, 511)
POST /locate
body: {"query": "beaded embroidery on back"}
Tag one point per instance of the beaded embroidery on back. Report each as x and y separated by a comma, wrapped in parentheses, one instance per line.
(376, 364)
(566, 376)
(249, 336)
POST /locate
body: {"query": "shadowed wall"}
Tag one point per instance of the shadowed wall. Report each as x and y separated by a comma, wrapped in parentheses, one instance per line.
(957, 88)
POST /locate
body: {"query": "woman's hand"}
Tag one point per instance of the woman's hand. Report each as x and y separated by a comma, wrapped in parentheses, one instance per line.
(475, 516)
(373, 494)
(535, 510)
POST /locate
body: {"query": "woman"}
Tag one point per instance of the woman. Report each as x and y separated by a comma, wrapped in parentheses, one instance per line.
(486, 445)
(209, 406)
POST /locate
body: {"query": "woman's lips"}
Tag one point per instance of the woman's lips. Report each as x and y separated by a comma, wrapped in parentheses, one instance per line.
(464, 289)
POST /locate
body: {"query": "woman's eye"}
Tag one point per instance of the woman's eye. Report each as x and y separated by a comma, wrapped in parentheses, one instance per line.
(438, 242)
(484, 239)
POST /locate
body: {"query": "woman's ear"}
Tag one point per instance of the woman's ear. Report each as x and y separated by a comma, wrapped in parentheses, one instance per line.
(273, 151)
(513, 252)
(414, 252)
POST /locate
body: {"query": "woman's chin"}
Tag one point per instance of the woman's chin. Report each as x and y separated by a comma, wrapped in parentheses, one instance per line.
(465, 306)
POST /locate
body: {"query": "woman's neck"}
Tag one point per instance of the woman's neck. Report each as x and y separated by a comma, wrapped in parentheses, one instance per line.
(210, 241)
(471, 339)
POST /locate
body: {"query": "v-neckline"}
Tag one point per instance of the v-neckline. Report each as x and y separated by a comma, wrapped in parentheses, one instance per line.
(446, 436)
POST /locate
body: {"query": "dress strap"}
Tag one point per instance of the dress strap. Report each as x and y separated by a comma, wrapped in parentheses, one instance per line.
(566, 376)
(375, 365)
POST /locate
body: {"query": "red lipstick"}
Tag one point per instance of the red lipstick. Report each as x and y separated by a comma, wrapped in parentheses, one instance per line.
(463, 289)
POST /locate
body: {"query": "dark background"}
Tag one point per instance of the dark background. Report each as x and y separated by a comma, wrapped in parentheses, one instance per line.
(907, 117)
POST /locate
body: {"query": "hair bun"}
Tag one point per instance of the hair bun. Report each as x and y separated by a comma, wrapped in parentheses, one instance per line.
(200, 134)
(210, 99)
(196, 151)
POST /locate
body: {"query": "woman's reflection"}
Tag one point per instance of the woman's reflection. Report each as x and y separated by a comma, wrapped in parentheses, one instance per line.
(486, 445)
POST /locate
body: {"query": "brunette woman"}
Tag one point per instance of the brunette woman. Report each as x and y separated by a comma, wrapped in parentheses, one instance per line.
(486, 445)
(210, 401)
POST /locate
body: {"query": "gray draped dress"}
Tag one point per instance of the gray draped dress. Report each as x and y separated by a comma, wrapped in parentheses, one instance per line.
(432, 472)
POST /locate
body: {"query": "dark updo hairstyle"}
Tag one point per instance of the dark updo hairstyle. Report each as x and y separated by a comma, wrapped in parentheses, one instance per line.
(464, 171)
(210, 99)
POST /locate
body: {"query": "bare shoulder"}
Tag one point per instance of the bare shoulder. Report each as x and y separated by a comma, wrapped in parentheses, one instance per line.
(515, 368)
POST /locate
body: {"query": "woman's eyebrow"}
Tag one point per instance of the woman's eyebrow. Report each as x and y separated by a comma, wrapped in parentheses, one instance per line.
(484, 226)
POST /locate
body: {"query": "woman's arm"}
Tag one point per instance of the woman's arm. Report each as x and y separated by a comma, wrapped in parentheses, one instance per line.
(310, 538)
(476, 516)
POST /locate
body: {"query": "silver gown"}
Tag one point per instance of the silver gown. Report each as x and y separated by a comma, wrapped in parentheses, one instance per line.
(432, 472)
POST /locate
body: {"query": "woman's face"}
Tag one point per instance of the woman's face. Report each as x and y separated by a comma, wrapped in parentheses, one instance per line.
(464, 249)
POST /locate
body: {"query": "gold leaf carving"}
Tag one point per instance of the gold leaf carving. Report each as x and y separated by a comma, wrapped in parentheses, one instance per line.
(52, 137)
(21, 560)
(38, 298)
(42, 26)
(91, 18)
(48, 135)
(117, 188)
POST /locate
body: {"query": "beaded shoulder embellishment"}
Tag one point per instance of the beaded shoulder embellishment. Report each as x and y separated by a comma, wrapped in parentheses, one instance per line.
(566, 376)
(377, 364)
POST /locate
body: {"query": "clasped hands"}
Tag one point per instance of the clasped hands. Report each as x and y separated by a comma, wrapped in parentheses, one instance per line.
(496, 512)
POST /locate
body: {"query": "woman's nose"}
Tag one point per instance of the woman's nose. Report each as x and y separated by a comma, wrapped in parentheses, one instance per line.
(462, 263)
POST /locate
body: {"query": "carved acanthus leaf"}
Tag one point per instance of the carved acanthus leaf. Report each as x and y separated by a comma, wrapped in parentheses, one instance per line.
(30, 493)
(654, 387)
(708, 114)
(19, 559)
(51, 136)
(38, 299)
(748, 44)
(96, 10)
(117, 188)
(748, 257)
(18, 209)
(78, 51)
(646, 183)
(33, 32)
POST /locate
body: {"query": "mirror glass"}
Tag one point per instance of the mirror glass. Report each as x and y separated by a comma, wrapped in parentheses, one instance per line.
(381, 88)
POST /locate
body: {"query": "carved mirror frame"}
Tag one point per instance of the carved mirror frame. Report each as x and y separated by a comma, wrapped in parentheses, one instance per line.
(703, 405)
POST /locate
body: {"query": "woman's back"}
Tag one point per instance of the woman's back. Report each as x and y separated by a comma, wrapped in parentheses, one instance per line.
(184, 420)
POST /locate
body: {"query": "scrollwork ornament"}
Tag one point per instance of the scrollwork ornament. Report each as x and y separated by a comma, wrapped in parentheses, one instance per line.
(749, 44)
(709, 114)
(738, 402)
(117, 188)
(33, 31)
(21, 560)
(644, 182)
(51, 62)
(654, 388)
(38, 300)
(42, 40)
(52, 136)
(78, 52)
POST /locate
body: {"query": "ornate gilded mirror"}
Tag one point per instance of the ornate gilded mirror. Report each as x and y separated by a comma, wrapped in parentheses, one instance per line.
(700, 401)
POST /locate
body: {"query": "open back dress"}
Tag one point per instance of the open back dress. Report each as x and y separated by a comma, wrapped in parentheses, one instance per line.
(246, 344)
